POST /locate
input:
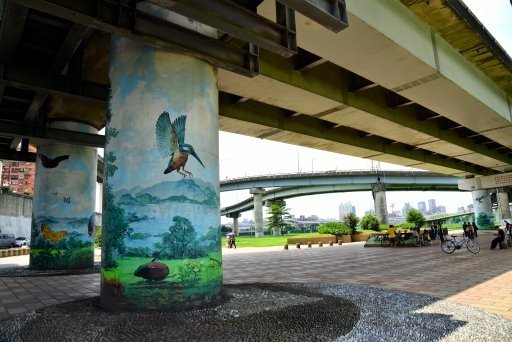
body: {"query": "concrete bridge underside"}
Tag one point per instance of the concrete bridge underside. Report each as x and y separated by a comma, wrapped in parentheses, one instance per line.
(409, 93)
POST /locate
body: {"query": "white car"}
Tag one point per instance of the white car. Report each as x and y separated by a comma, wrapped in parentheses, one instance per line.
(21, 241)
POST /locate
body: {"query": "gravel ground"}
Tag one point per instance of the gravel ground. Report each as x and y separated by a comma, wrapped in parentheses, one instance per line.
(277, 312)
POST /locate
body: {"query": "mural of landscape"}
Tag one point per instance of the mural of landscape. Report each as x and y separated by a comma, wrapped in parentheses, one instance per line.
(64, 202)
(161, 224)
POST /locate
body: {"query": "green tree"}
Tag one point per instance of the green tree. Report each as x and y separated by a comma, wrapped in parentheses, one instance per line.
(179, 242)
(351, 220)
(277, 218)
(334, 228)
(416, 217)
(370, 222)
(5, 189)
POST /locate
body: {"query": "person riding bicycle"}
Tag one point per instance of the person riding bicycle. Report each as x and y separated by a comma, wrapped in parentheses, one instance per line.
(392, 235)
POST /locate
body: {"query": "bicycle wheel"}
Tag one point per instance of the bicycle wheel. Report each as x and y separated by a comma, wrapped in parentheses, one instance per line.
(448, 247)
(473, 246)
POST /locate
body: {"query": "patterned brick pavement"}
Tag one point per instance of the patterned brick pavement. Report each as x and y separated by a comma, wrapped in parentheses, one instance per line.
(483, 280)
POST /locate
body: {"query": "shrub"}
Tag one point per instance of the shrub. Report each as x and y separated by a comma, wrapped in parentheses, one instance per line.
(370, 222)
(383, 227)
(407, 225)
(351, 221)
(416, 217)
(334, 228)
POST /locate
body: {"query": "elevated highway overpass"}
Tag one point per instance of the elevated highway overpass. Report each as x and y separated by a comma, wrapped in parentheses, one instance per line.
(294, 185)
(421, 84)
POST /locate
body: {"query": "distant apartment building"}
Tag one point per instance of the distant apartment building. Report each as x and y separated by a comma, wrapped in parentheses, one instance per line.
(422, 207)
(431, 206)
(405, 209)
(18, 176)
(370, 212)
(345, 209)
(441, 209)
(461, 210)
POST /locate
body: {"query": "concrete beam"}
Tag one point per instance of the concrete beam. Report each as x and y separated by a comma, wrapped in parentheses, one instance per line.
(335, 83)
(17, 129)
(142, 27)
(275, 117)
(237, 21)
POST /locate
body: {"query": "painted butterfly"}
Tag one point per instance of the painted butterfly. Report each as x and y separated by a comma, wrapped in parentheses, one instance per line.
(49, 234)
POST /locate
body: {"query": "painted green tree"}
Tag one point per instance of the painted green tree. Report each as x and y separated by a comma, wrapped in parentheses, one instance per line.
(115, 225)
(180, 242)
(278, 217)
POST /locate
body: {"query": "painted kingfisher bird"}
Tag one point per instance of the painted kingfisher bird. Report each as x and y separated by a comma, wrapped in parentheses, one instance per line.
(170, 138)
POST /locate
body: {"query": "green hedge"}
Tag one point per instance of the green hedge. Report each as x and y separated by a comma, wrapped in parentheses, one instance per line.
(334, 228)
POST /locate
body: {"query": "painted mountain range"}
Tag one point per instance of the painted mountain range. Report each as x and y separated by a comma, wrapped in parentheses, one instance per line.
(183, 191)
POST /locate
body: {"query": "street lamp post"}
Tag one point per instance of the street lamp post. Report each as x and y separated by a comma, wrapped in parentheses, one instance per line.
(312, 160)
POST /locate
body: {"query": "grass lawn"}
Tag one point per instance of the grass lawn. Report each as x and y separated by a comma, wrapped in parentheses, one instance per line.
(266, 241)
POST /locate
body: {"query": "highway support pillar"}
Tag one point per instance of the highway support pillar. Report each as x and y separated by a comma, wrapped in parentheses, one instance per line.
(379, 200)
(504, 205)
(161, 245)
(235, 217)
(482, 205)
(63, 210)
(258, 210)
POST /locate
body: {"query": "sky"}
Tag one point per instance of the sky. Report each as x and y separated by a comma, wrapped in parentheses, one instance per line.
(245, 156)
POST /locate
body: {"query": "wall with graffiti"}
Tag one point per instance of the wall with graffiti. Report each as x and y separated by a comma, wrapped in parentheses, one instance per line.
(161, 235)
(64, 201)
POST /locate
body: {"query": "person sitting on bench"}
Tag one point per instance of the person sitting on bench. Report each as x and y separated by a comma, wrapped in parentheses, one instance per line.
(500, 237)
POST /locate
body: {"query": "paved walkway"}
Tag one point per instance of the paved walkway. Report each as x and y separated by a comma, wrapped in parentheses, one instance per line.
(483, 280)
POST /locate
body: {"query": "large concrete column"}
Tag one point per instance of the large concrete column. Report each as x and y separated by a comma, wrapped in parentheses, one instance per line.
(64, 204)
(482, 206)
(161, 240)
(504, 205)
(235, 217)
(258, 210)
(379, 200)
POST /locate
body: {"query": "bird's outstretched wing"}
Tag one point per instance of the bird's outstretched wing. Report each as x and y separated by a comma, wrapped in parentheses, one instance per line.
(179, 125)
(61, 158)
(166, 137)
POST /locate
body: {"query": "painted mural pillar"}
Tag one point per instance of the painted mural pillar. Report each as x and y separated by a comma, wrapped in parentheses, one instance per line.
(235, 217)
(504, 205)
(258, 210)
(161, 246)
(63, 209)
(482, 206)
(379, 201)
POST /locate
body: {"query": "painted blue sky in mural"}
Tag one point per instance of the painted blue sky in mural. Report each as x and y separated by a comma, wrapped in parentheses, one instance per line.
(144, 88)
(71, 202)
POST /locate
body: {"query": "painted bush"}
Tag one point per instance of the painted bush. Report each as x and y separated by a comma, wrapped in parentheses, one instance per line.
(161, 235)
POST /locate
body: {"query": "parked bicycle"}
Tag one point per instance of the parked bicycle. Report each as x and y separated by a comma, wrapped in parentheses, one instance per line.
(385, 241)
(449, 246)
(421, 240)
